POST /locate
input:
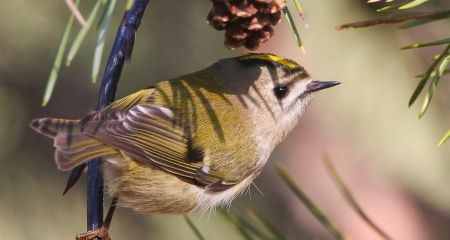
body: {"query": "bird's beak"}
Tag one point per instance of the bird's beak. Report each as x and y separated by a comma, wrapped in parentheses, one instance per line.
(315, 86)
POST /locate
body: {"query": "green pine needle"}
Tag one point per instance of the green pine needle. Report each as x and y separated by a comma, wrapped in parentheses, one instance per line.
(58, 60)
(101, 39)
(103, 9)
(429, 19)
(320, 216)
(129, 4)
(425, 78)
(407, 18)
(301, 12)
(410, 19)
(434, 84)
(390, 7)
(433, 73)
(427, 44)
(194, 228)
(269, 226)
(247, 226)
(293, 28)
(413, 3)
(349, 197)
(240, 226)
(444, 138)
(252, 228)
(82, 33)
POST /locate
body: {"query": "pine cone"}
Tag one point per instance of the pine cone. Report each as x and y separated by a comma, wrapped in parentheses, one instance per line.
(246, 23)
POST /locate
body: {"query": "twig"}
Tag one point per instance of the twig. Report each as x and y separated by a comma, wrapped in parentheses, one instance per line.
(120, 52)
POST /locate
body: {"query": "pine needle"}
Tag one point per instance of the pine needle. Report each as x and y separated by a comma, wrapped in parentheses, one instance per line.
(413, 3)
(194, 228)
(390, 7)
(433, 73)
(302, 13)
(240, 226)
(320, 216)
(129, 4)
(249, 226)
(337, 180)
(58, 60)
(425, 78)
(434, 84)
(444, 138)
(82, 33)
(269, 226)
(389, 20)
(417, 22)
(76, 12)
(293, 28)
(428, 44)
(101, 38)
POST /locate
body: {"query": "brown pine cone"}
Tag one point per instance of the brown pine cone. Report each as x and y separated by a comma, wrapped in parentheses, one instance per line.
(246, 22)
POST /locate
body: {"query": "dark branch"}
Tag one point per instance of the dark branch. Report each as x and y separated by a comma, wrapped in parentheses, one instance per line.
(120, 53)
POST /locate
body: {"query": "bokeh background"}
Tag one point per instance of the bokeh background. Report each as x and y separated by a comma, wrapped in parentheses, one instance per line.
(385, 154)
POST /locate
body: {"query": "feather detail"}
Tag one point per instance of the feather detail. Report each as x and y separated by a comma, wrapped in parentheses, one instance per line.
(148, 135)
(50, 127)
(81, 149)
(72, 146)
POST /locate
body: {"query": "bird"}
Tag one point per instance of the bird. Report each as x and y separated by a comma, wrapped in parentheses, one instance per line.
(191, 143)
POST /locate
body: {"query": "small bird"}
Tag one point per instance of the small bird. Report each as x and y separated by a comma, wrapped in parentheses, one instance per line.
(193, 142)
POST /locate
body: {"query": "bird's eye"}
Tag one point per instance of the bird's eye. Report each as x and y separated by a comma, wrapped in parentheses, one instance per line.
(281, 91)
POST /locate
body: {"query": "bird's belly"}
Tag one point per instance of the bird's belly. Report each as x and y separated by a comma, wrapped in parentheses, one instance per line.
(151, 190)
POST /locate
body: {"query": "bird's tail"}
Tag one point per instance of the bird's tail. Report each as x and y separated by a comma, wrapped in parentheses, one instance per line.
(73, 147)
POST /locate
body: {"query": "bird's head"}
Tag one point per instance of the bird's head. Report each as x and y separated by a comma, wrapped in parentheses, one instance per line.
(276, 90)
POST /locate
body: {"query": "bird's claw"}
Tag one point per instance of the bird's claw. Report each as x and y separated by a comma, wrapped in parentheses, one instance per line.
(101, 233)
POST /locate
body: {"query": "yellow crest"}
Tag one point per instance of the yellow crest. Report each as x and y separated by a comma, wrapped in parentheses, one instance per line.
(287, 63)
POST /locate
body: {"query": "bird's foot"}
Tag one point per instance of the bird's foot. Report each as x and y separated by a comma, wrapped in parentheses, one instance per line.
(101, 233)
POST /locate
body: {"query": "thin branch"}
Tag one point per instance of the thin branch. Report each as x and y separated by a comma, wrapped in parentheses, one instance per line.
(120, 52)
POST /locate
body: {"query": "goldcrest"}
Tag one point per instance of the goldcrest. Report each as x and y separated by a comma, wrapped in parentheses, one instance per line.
(193, 142)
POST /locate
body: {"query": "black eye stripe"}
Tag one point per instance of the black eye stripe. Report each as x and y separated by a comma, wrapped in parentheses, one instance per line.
(281, 91)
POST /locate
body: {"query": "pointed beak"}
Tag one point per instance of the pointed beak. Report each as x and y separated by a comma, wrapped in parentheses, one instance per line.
(315, 86)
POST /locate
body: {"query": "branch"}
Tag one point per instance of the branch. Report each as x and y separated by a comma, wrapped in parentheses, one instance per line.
(120, 52)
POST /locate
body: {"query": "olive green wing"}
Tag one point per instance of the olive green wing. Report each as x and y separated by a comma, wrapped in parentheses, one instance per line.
(149, 134)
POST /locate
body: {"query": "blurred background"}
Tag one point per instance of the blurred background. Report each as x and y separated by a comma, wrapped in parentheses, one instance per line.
(387, 157)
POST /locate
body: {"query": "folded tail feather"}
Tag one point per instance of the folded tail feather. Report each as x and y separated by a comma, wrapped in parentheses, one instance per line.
(73, 147)
(50, 127)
